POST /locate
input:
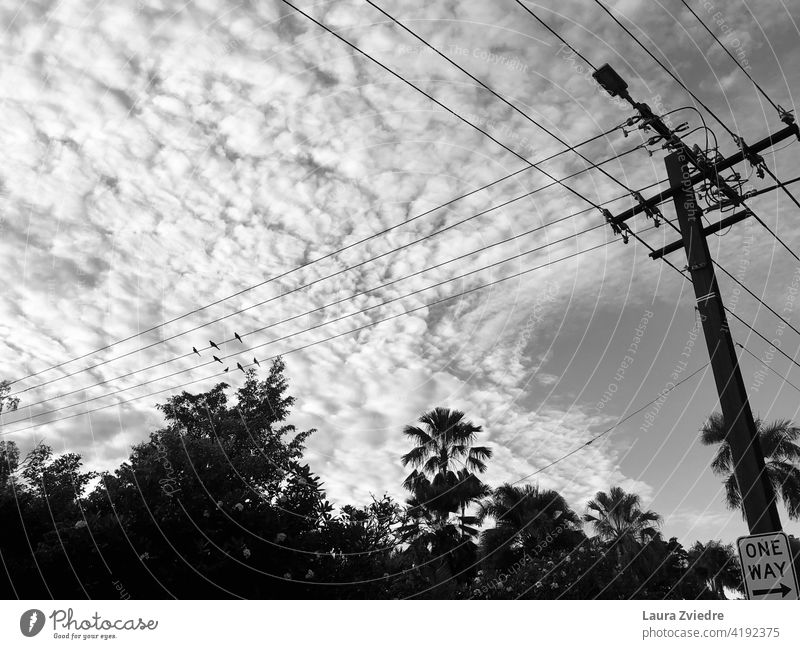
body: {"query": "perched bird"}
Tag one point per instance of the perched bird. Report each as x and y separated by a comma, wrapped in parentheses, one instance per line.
(255, 360)
(194, 349)
(225, 370)
(213, 344)
(238, 337)
(216, 359)
(239, 365)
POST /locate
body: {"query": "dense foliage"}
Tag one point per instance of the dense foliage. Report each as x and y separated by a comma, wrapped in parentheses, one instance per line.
(218, 503)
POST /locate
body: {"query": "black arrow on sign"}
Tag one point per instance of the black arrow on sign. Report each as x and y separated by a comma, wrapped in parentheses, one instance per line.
(783, 591)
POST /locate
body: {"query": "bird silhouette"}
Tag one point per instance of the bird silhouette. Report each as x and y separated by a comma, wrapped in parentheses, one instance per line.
(225, 370)
(194, 349)
(213, 344)
(216, 359)
(239, 365)
(255, 360)
(238, 337)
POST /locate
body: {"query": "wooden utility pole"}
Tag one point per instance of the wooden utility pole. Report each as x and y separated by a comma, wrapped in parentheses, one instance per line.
(758, 496)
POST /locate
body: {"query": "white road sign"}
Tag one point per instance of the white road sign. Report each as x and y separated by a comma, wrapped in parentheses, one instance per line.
(769, 572)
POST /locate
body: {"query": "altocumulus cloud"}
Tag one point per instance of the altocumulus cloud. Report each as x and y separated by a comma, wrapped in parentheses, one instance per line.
(160, 155)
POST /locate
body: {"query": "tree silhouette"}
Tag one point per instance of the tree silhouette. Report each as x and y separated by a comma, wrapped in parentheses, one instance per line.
(524, 519)
(617, 517)
(780, 442)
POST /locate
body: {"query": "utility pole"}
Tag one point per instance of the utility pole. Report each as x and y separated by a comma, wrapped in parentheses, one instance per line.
(758, 496)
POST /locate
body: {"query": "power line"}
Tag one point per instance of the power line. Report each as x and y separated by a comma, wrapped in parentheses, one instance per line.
(661, 395)
(317, 342)
(782, 185)
(764, 304)
(775, 372)
(780, 110)
(556, 34)
(317, 259)
(763, 337)
(321, 279)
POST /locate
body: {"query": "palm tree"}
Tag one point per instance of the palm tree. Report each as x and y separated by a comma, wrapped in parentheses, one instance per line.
(446, 441)
(716, 566)
(524, 517)
(780, 443)
(443, 481)
(617, 518)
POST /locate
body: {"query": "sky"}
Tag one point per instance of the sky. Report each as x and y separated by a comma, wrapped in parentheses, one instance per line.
(161, 156)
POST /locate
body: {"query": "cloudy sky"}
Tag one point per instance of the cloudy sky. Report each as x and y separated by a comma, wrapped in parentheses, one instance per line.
(159, 156)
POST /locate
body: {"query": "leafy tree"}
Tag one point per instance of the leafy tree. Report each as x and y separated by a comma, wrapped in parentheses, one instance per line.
(59, 481)
(207, 496)
(780, 442)
(40, 504)
(9, 462)
(7, 403)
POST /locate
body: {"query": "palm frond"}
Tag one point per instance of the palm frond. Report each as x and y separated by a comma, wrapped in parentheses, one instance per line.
(714, 431)
(418, 435)
(733, 497)
(414, 457)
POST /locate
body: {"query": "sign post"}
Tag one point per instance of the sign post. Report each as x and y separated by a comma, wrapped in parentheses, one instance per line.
(768, 566)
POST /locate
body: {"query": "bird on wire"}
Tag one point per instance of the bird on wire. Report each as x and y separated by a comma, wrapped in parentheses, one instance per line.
(255, 360)
(213, 344)
(239, 365)
(194, 349)
(217, 359)
(238, 337)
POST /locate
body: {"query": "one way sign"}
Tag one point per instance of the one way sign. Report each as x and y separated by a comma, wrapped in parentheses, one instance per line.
(768, 567)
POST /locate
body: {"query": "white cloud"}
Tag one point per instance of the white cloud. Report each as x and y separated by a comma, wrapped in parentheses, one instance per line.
(156, 161)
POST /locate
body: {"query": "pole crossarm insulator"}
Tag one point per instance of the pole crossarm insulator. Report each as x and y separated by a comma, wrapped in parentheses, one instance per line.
(786, 116)
(651, 211)
(616, 228)
(755, 159)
